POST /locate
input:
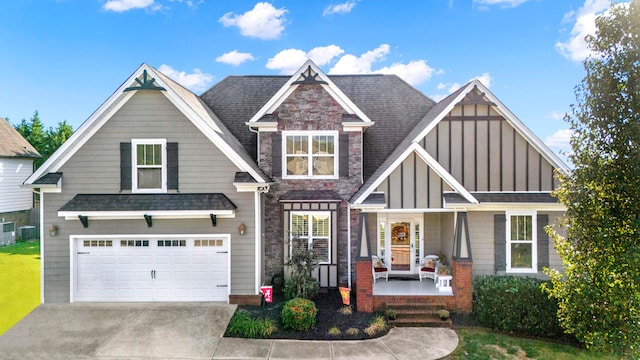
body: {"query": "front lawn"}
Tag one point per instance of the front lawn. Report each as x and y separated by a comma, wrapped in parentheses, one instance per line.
(19, 282)
(479, 343)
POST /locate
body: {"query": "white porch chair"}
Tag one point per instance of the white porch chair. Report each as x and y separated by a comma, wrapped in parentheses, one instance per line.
(379, 269)
(429, 268)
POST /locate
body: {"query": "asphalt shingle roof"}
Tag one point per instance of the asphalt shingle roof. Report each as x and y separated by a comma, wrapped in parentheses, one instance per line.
(12, 144)
(394, 106)
(148, 202)
(492, 197)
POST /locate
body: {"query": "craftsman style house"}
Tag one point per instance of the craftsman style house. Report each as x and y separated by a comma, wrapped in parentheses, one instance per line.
(162, 195)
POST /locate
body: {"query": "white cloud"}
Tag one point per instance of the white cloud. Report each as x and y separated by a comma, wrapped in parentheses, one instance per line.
(289, 60)
(124, 5)
(234, 58)
(339, 8)
(351, 64)
(555, 115)
(415, 72)
(575, 48)
(485, 79)
(196, 81)
(264, 21)
(501, 3)
(560, 140)
(323, 55)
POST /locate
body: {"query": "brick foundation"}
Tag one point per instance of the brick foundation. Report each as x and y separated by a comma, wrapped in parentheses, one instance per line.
(463, 285)
(255, 300)
(364, 286)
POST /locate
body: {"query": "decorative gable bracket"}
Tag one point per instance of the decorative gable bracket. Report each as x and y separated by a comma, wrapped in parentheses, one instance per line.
(145, 84)
(309, 77)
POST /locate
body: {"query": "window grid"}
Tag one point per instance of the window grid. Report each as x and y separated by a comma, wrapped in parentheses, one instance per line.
(521, 243)
(310, 155)
(315, 228)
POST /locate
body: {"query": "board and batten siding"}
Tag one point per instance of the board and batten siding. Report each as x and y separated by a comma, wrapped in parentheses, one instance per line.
(95, 168)
(13, 172)
(485, 153)
(413, 184)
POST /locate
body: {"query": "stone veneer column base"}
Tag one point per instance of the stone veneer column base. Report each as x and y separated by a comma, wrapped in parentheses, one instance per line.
(364, 286)
(463, 284)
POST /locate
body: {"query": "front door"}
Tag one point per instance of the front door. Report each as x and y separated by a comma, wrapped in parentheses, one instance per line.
(404, 245)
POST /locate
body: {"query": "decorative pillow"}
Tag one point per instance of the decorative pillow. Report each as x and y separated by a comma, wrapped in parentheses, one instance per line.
(379, 264)
(430, 264)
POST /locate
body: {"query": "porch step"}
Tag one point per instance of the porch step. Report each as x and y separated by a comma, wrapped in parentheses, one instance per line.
(418, 315)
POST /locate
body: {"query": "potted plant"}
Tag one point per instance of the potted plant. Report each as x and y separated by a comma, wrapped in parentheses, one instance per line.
(444, 270)
(443, 314)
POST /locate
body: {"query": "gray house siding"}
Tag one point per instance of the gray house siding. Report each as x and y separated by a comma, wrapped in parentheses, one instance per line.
(485, 153)
(413, 185)
(481, 228)
(95, 168)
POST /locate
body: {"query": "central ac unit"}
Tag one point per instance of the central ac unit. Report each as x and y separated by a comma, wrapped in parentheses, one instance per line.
(8, 235)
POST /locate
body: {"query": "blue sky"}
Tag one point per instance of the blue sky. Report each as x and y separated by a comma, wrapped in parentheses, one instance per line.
(63, 58)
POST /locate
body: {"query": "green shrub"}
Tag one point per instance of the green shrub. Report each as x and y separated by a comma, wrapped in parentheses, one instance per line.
(243, 325)
(515, 304)
(299, 314)
(302, 262)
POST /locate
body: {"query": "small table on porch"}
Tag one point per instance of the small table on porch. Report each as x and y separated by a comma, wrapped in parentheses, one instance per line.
(444, 282)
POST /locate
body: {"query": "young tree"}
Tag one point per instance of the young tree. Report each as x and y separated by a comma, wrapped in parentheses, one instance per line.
(599, 292)
(45, 141)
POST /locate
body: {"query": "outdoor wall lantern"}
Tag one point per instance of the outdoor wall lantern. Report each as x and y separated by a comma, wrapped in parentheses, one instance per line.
(53, 230)
(242, 229)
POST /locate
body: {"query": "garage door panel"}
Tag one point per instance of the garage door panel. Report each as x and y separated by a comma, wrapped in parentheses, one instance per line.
(152, 270)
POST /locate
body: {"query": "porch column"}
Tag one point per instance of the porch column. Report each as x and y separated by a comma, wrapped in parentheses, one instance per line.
(462, 265)
(364, 277)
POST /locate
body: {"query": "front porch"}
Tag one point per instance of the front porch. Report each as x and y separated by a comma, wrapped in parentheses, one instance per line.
(409, 286)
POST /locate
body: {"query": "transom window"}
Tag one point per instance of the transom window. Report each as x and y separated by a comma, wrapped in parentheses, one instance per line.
(149, 165)
(313, 229)
(310, 154)
(521, 242)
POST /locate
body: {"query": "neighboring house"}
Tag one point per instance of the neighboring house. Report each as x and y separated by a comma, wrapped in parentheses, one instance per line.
(164, 195)
(16, 165)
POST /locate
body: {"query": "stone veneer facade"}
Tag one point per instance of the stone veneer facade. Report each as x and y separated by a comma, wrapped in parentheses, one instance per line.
(309, 107)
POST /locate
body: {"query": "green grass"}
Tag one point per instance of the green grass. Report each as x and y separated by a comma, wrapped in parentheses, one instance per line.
(484, 344)
(19, 282)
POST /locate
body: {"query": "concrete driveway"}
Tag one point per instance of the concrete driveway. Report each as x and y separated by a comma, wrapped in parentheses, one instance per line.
(118, 331)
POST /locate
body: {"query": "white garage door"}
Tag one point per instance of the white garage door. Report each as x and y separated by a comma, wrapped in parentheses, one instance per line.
(160, 269)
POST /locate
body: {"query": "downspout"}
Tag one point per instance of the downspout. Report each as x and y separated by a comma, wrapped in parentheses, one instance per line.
(349, 245)
(257, 247)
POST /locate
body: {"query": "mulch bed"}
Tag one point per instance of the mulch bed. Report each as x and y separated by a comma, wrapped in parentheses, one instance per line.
(328, 303)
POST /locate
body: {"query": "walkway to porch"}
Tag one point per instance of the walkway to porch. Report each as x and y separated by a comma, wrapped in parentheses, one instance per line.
(408, 285)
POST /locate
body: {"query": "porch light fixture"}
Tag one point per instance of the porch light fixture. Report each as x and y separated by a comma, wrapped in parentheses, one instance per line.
(242, 229)
(53, 230)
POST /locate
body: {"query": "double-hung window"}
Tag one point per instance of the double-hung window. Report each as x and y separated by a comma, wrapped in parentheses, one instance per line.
(311, 228)
(149, 164)
(310, 154)
(521, 242)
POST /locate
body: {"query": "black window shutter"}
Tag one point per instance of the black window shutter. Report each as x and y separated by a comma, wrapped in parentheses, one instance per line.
(500, 241)
(125, 166)
(543, 241)
(276, 154)
(172, 166)
(344, 155)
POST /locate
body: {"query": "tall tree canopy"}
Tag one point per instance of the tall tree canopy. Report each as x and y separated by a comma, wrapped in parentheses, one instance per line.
(45, 141)
(599, 292)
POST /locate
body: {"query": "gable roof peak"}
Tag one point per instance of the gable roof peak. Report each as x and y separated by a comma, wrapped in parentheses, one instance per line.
(309, 73)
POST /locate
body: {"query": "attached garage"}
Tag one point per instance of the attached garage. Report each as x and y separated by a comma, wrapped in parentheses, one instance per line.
(150, 268)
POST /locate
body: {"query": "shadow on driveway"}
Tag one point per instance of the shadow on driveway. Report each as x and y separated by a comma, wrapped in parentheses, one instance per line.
(112, 330)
